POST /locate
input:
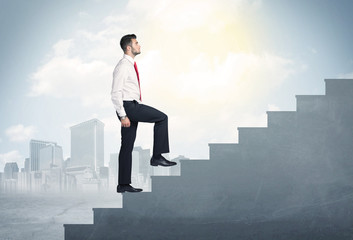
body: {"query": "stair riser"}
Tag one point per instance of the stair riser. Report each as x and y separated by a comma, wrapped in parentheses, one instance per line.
(253, 136)
(223, 151)
(339, 88)
(281, 119)
(310, 104)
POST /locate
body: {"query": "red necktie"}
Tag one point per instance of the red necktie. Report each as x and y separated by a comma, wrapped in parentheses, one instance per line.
(138, 78)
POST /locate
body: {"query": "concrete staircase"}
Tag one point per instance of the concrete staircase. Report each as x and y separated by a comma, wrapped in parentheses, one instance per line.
(285, 181)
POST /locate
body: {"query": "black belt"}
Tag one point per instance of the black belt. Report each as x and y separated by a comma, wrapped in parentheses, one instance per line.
(130, 101)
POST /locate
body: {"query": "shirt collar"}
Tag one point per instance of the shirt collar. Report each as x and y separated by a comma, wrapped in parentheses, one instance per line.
(129, 58)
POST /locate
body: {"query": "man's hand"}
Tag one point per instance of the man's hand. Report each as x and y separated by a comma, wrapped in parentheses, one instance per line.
(125, 122)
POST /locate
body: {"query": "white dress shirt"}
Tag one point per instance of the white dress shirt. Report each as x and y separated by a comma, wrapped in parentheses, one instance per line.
(125, 85)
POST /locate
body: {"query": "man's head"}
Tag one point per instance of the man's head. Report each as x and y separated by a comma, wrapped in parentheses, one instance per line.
(130, 45)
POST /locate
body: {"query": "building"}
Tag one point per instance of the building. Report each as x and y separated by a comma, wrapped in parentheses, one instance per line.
(144, 157)
(11, 170)
(87, 144)
(24, 177)
(1, 181)
(22, 181)
(113, 168)
(104, 178)
(67, 163)
(81, 178)
(34, 150)
(141, 168)
(27, 165)
(51, 156)
(52, 180)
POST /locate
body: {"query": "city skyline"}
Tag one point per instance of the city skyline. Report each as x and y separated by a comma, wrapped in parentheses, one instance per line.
(45, 170)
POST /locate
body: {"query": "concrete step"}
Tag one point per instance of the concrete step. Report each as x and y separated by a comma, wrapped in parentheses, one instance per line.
(223, 151)
(281, 119)
(160, 202)
(190, 167)
(164, 184)
(192, 171)
(311, 103)
(78, 231)
(339, 87)
(134, 200)
(106, 216)
(252, 135)
(101, 215)
(164, 190)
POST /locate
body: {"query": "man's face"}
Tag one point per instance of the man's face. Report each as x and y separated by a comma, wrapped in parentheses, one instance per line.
(135, 47)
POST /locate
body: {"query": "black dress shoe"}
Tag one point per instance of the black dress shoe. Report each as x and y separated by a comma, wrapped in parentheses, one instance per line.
(161, 161)
(127, 188)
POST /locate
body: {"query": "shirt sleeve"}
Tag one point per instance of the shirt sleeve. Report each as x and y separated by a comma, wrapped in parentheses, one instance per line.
(119, 77)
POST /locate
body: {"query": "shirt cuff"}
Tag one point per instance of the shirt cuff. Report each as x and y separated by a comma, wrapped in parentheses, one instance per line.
(121, 113)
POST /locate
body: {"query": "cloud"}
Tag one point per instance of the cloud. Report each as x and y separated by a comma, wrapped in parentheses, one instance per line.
(64, 77)
(63, 47)
(198, 64)
(20, 133)
(116, 19)
(81, 67)
(13, 156)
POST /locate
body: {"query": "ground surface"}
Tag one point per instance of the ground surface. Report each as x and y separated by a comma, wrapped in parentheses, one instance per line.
(41, 216)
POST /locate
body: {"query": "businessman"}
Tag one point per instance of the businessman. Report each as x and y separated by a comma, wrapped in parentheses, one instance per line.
(127, 100)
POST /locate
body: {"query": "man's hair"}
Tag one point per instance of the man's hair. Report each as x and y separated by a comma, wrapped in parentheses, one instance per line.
(126, 41)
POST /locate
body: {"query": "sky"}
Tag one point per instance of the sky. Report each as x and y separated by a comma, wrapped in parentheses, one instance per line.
(211, 66)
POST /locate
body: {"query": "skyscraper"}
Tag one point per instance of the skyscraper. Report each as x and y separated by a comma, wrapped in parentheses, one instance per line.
(142, 164)
(50, 156)
(113, 167)
(87, 144)
(27, 165)
(11, 170)
(34, 151)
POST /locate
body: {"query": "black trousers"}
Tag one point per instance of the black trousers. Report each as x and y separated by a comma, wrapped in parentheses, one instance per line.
(140, 113)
